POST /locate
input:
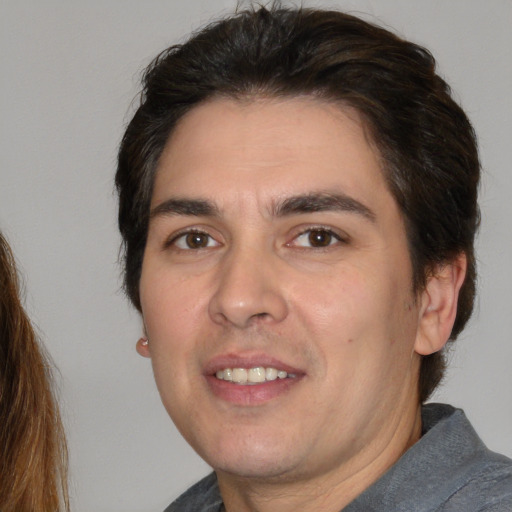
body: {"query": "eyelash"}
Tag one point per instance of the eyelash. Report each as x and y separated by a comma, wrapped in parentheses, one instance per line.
(333, 239)
(183, 234)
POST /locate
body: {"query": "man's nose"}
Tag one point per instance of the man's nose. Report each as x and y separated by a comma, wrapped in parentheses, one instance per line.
(248, 290)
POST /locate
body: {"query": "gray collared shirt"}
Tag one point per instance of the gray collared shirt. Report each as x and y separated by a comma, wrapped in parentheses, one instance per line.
(448, 470)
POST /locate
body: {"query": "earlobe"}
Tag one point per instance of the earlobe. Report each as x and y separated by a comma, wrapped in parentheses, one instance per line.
(142, 347)
(439, 306)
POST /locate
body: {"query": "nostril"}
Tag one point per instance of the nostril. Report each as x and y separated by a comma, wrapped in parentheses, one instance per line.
(243, 303)
(259, 317)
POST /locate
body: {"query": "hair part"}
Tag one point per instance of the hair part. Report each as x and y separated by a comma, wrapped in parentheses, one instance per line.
(426, 143)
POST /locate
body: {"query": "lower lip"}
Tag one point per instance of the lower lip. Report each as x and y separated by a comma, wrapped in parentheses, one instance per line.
(252, 394)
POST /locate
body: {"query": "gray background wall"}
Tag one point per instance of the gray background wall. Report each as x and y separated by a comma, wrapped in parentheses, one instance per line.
(69, 71)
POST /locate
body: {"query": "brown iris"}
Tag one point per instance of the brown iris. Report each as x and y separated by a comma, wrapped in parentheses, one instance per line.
(320, 238)
(196, 240)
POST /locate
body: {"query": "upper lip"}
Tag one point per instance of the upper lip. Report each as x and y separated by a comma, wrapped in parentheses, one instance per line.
(233, 360)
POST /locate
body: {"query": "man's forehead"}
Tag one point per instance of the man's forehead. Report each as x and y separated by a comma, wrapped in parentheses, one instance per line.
(293, 139)
(300, 108)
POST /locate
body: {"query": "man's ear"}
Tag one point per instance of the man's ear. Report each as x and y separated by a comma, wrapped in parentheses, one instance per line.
(438, 306)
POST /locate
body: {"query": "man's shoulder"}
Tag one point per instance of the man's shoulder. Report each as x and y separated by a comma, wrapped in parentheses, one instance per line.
(472, 477)
(204, 496)
(448, 470)
(489, 489)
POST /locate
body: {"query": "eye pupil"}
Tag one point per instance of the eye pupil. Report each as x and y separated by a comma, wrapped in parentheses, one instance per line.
(197, 240)
(320, 238)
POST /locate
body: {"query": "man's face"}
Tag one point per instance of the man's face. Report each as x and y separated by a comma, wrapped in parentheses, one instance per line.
(275, 243)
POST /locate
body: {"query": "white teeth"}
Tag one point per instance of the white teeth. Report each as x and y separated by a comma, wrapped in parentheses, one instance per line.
(254, 375)
(239, 375)
(271, 374)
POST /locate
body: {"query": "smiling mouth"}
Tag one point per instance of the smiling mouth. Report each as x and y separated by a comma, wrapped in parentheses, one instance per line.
(250, 376)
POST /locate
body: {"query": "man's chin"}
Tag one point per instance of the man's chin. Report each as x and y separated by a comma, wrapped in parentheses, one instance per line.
(261, 472)
(272, 466)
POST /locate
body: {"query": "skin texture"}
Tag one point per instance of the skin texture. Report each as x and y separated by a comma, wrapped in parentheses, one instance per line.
(278, 273)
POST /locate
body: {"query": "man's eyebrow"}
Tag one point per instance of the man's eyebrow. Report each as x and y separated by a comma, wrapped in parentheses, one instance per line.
(322, 202)
(189, 207)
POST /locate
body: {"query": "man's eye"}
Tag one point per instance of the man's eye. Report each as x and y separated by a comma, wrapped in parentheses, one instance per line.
(317, 238)
(194, 240)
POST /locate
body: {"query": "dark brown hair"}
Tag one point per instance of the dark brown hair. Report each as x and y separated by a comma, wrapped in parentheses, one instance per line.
(426, 142)
(33, 455)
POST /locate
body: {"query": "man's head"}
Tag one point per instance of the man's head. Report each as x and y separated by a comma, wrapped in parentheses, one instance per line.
(424, 141)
